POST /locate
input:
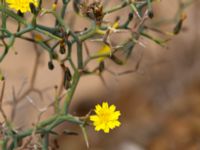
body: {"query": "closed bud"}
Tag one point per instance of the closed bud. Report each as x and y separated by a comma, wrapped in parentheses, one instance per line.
(76, 6)
(150, 14)
(62, 47)
(67, 78)
(130, 16)
(33, 8)
(50, 65)
(2, 78)
(179, 25)
(62, 50)
(20, 13)
(54, 55)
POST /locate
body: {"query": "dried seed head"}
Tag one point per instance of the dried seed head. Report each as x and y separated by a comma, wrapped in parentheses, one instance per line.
(95, 12)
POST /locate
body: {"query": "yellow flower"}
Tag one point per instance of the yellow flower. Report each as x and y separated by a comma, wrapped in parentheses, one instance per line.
(106, 50)
(106, 117)
(22, 5)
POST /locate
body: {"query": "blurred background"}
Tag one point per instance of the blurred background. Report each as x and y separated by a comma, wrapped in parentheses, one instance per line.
(159, 102)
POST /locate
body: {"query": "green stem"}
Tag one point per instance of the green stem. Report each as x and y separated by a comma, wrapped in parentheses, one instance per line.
(70, 92)
(4, 144)
(80, 55)
(45, 143)
(95, 57)
(41, 125)
(7, 47)
(49, 29)
(87, 34)
(63, 10)
(28, 29)
(50, 124)
(118, 7)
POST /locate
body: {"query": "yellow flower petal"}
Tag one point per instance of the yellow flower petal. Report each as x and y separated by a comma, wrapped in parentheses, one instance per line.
(105, 105)
(97, 109)
(94, 118)
(106, 129)
(112, 108)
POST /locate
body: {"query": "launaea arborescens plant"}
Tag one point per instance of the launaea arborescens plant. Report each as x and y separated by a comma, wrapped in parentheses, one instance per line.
(67, 47)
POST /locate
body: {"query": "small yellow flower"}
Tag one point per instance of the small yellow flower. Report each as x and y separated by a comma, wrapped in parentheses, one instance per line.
(38, 37)
(106, 117)
(21, 5)
(105, 50)
(54, 6)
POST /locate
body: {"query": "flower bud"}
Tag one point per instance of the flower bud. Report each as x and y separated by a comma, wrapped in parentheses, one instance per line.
(50, 65)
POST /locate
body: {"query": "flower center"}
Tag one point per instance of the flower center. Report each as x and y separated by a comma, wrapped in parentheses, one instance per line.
(105, 117)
